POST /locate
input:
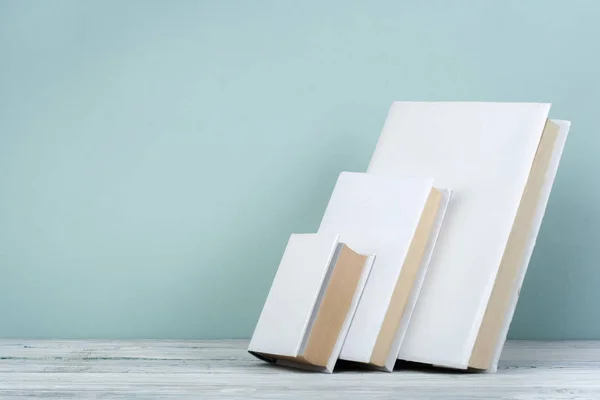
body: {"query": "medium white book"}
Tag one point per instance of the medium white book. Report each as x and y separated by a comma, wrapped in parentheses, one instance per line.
(311, 303)
(500, 159)
(397, 218)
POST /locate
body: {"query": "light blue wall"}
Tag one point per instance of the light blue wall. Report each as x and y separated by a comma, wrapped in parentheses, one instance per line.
(155, 155)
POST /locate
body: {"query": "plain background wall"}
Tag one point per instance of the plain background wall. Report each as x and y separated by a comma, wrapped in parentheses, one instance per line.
(156, 155)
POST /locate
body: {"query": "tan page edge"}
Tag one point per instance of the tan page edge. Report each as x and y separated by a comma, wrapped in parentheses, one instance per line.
(334, 308)
(406, 279)
(495, 313)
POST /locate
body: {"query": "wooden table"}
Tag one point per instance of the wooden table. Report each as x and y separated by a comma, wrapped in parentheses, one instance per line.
(153, 369)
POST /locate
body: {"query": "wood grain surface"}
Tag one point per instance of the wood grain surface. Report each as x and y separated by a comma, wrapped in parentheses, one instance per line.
(158, 369)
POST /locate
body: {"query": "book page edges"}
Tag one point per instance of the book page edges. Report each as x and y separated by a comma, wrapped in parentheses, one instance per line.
(496, 310)
(406, 279)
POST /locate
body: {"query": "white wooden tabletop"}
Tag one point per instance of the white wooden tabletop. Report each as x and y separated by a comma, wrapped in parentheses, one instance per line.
(158, 369)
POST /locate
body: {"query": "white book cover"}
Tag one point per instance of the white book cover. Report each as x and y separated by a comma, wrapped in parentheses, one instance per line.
(397, 219)
(311, 303)
(484, 152)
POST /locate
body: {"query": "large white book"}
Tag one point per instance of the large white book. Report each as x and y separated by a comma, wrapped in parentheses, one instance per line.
(311, 303)
(397, 218)
(500, 159)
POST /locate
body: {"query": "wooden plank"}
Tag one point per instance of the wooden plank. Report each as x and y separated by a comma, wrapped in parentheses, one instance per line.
(147, 369)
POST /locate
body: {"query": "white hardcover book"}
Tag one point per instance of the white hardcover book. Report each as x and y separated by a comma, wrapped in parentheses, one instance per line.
(311, 303)
(397, 218)
(489, 153)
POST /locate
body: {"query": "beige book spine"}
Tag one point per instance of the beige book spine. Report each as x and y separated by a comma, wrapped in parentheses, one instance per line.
(504, 285)
(334, 307)
(406, 280)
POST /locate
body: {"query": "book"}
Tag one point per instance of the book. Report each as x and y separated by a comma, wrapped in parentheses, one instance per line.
(500, 160)
(397, 218)
(311, 303)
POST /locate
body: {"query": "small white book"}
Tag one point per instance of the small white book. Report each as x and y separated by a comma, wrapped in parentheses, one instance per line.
(311, 303)
(397, 218)
(500, 159)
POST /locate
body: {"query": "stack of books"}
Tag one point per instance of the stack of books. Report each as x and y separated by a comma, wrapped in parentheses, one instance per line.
(422, 257)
